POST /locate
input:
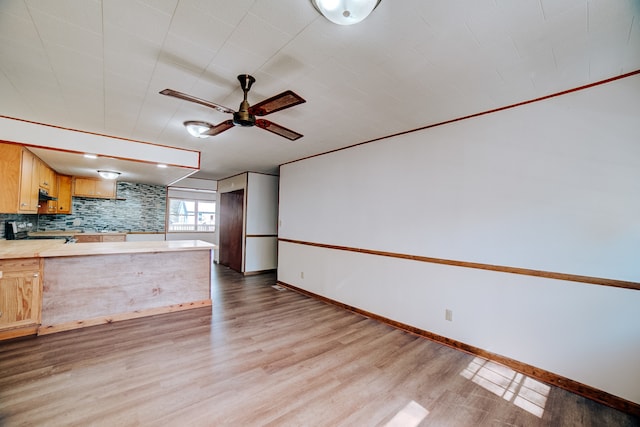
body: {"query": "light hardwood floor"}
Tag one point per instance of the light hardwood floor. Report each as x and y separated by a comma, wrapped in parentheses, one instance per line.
(269, 357)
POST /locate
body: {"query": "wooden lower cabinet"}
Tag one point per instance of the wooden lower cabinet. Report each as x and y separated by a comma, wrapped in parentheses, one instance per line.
(20, 297)
(114, 238)
(91, 238)
(87, 238)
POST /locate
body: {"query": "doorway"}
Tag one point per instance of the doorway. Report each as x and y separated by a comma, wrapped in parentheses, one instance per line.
(231, 222)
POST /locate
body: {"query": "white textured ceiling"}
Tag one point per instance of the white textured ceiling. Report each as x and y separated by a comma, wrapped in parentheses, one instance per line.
(98, 66)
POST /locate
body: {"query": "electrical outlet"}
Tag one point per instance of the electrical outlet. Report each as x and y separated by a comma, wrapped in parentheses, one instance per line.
(302, 274)
(448, 315)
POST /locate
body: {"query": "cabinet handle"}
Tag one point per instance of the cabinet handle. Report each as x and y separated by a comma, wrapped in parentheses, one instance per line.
(35, 274)
(0, 313)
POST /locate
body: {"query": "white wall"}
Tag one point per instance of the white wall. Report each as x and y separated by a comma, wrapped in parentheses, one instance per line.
(547, 186)
(262, 222)
(262, 204)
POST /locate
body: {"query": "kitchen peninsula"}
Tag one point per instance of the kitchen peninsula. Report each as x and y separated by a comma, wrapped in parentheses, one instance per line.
(49, 286)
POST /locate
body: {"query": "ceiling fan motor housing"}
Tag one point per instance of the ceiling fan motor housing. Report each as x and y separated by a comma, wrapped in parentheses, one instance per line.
(244, 118)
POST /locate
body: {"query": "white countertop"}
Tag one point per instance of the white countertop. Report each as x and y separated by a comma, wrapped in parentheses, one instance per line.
(11, 249)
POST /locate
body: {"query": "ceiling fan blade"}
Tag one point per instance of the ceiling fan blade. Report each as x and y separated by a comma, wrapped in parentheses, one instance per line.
(279, 102)
(277, 129)
(184, 96)
(219, 128)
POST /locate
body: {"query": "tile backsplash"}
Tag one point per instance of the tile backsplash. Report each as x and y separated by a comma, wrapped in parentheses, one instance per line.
(138, 207)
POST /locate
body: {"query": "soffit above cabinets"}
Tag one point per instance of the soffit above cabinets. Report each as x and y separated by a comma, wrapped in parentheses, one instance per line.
(136, 161)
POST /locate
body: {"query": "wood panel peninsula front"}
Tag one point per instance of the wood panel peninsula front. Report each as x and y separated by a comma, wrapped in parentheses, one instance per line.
(94, 283)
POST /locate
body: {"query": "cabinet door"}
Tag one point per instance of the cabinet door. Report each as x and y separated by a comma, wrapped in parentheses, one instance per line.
(114, 238)
(98, 188)
(46, 176)
(28, 201)
(19, 298)
(106, 189)
(64, 194)
(10, 158)
(91, 238)
(84, 187)
(49, 207)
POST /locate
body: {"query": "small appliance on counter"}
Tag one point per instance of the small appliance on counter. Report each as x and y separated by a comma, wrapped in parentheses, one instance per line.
(18, 230)
(14, 230)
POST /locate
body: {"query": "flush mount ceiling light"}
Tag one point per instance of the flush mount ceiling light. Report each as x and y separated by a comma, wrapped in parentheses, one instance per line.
(198, 129)
(109, 174)
(345, 12)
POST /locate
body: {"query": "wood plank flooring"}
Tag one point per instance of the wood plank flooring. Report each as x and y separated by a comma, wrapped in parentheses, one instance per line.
(264, 357)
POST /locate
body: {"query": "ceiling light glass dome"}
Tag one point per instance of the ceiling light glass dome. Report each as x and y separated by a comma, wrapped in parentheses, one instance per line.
(345, 12)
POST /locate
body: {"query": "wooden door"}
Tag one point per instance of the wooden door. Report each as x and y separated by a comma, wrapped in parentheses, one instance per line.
(231, 220)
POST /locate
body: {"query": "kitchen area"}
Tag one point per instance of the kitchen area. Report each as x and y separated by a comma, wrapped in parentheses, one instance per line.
(77, 251)
(137, 209)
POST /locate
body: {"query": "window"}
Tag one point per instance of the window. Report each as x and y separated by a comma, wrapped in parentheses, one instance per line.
(191, 215)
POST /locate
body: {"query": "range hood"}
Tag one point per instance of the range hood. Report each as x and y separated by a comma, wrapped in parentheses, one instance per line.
(43, 196)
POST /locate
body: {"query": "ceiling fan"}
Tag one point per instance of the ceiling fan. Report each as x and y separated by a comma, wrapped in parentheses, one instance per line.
(246, 114)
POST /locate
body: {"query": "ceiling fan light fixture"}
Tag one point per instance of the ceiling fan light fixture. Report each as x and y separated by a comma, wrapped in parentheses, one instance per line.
(345, 12)
(198, 129)
(108, 174)
(246, 114)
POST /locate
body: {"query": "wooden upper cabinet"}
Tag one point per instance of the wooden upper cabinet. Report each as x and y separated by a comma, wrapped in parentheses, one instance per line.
(84, 187)
(106, 188)
(23, 174)
(47, 180)
(46, 177)
(10, 168)
(28, 193)
(64, 204)
(96, 188)
(18, 175)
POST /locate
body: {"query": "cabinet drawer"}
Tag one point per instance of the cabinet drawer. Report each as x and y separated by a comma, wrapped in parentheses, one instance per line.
(111, 238)
(21, 264)
(87, 239)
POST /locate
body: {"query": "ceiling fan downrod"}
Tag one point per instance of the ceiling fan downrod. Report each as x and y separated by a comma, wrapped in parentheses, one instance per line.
(242, 117)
